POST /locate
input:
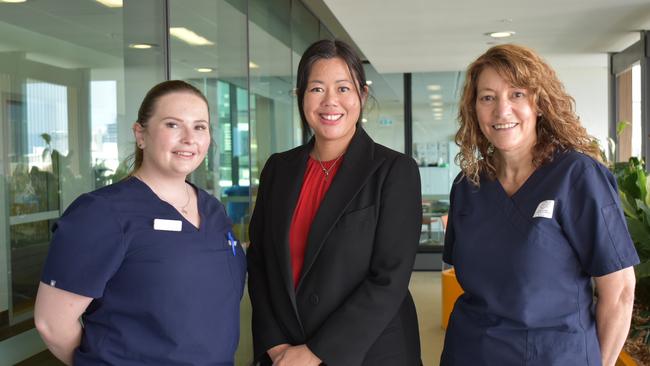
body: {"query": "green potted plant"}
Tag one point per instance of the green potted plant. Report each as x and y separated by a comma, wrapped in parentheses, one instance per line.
(633, 187)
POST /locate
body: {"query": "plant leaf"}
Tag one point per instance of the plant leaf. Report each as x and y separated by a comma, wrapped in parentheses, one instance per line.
(620, 127)
(629, 208)
(645, 209)
(642, 270)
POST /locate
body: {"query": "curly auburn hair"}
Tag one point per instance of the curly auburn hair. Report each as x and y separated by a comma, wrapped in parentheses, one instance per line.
(558, 128)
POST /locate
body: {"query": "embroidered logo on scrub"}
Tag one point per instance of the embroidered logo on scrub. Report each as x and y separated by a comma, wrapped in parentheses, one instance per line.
(545, 209)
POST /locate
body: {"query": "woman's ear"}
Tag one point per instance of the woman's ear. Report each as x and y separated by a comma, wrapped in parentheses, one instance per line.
(364, 95)
(138, 133)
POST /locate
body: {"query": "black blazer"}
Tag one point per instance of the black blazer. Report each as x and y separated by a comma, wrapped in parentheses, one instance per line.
(352, 305)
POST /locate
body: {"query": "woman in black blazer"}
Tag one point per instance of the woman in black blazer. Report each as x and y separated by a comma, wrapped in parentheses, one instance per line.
(334, 233)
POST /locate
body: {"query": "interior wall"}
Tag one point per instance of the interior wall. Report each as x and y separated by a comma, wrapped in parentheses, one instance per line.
(586, 80)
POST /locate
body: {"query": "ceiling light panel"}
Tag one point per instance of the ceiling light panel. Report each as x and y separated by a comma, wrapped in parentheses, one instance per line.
(189, 36)
(111, 3)
(501, 34)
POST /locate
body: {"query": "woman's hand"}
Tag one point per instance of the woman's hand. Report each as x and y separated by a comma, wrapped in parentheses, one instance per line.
(56, 315)
(277, 351)
(614, 312)
(297, 356)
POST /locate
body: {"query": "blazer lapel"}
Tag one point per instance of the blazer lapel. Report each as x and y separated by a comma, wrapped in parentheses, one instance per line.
(358, 165)
(290, 172)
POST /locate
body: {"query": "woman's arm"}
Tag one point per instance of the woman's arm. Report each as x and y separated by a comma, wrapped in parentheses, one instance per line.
(56, 315)
(614, 312)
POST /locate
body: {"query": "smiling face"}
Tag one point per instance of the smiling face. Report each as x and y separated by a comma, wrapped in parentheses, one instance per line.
(176, 137)
(505, 114)
(332, 103)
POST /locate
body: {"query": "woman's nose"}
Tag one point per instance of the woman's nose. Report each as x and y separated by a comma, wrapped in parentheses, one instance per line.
(503, 108)
(330, 98)
(188, 135)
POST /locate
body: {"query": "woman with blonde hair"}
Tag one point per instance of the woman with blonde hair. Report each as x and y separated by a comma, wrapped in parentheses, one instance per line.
(534, 217)
(147, 271)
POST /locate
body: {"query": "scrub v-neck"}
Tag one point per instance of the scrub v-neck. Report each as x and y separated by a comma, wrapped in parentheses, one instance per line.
(170, 206)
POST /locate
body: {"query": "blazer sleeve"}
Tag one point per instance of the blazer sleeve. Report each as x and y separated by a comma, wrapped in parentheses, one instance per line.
(349, 332)
(266, 330)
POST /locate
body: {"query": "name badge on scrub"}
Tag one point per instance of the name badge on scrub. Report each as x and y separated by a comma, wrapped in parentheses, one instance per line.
(167, 225)
(545, 209)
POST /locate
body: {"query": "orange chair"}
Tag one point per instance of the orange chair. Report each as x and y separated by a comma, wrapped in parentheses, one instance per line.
(451, 290)
(624, 359)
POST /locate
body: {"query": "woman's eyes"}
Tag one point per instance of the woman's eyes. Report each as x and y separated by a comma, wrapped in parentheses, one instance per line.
(318, 89)
(199, 127)
(515, 95)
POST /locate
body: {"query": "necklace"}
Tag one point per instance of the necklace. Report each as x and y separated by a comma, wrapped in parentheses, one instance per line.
(182, 208)
(187, 202)
(326, 171)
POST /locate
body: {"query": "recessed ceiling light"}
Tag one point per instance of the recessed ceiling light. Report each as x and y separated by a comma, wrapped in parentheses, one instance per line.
(364, 120)
(502, 34)
(436, 104)
(437, 110)
(140, 46)
(253, 65)
(368, 82)
(12, 1)
(437, 118)
(111, 3)
(204, 69)
(435, 96)
(189, 36)
(433, 87)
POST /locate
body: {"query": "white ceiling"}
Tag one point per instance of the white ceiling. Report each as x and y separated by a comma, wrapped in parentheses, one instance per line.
(442, 35)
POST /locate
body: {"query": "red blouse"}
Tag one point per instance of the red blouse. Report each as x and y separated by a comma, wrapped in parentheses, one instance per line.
(314, 187)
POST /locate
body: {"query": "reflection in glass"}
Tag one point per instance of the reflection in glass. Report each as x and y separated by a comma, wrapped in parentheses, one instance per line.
(219, 69)
(65, 122)
(305, 30)
(384, 112)
(435, 108)
(271, 81)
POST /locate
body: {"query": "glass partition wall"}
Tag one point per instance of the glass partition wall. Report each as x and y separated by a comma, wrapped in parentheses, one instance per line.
(434, 111)
(384, 111)
(71, 77)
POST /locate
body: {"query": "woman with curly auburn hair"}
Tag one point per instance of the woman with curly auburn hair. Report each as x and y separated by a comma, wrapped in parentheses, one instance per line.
(558, 126)
(534, 217)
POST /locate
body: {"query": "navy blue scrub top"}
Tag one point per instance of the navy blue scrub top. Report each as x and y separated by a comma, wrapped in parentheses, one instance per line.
(526, 262)
(160, 297)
